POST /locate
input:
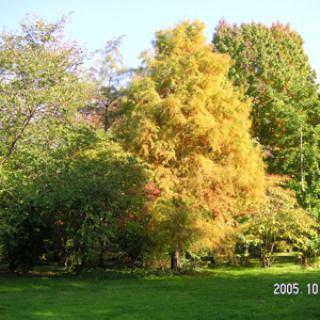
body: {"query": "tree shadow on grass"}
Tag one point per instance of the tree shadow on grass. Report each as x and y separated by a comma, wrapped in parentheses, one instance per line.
(218, 294)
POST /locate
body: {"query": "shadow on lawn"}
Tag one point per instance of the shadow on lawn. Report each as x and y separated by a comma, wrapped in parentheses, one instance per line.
(130, 273)
(221, 293)
(139, 273)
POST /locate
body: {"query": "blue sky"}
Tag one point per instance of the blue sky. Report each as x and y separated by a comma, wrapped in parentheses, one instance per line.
(94, 22)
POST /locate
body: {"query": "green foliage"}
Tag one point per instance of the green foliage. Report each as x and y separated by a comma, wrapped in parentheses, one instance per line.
(23, 229)
(282, 223)
(25, 209)
(83, 197)
(64, 188)
(269, 63)
(39, 88)
(98, 194)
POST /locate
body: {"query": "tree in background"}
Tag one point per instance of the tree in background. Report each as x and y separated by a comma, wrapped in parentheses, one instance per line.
(39, 85)
(189, 124)
(269, 63)
(282, 222)
(107, 76)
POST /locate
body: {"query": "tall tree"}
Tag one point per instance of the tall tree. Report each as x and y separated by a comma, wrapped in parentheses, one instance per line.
(39, 87)
(186, 120)
(270, 64)
(39, 94)
(108, 75)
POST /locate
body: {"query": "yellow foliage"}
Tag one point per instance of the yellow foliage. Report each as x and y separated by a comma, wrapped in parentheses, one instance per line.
(191, 126)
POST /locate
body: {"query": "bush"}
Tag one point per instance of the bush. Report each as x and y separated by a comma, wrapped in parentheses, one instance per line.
(282, 221)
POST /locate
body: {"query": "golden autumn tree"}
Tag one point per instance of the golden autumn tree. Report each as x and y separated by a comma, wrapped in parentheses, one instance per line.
(190, 125)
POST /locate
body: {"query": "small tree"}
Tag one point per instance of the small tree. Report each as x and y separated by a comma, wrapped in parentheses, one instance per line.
(282, 220)
(85, 198)
(98, 196)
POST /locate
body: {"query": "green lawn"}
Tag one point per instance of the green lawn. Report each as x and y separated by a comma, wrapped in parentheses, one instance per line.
(218, 294)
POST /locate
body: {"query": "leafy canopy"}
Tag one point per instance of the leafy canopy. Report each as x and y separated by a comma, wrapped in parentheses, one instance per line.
(270, 64)
(39, 86)
(188, 123)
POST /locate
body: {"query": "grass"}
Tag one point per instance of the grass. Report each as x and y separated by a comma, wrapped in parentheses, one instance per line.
(222, 293)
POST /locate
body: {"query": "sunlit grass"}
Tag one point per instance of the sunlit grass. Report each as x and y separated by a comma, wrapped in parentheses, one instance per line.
(221, 293)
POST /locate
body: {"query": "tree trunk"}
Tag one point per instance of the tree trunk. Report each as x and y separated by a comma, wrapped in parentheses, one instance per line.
(304, 260)
(106, 118)
(301, 160)
(101, 254)
(175, 260)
